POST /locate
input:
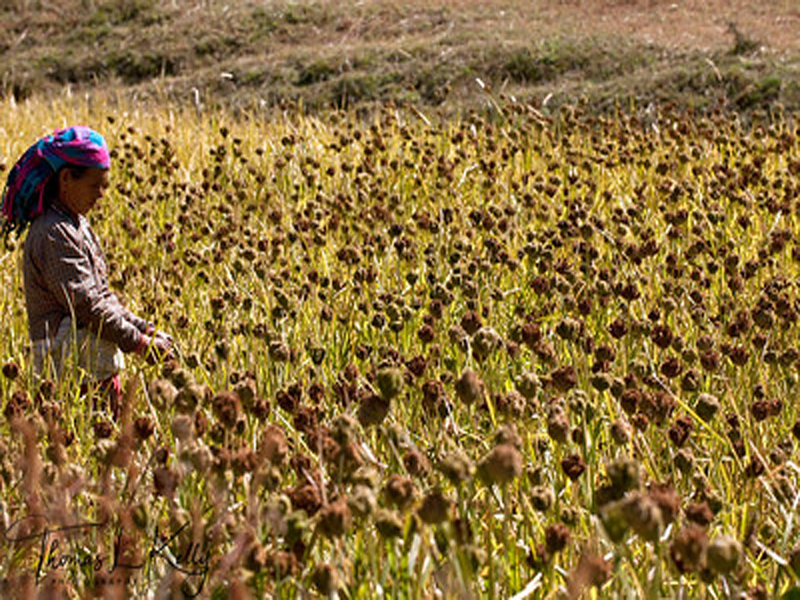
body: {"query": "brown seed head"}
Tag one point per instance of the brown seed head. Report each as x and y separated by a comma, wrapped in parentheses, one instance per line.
(643, 515)
(165, 481)
(573, 466)
(456, 467)
(700, 513)
(469, 387)
(143, 427)
(389, 381)
(723, 554)
(334, 519)
(688, 547)
(558, 426)
(11, 370)
(564, 378)
(400, 492)
(226, 408)
(557, 536)
(592, 571)
(501, 465)
(436, 508)
(326, 579)
(373, 410)
(388, 523)
(274, 448)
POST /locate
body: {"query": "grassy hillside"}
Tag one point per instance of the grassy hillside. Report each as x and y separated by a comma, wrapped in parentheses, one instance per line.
(444, 54)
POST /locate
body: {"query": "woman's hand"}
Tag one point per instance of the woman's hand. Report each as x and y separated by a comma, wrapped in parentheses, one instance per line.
(159, 347)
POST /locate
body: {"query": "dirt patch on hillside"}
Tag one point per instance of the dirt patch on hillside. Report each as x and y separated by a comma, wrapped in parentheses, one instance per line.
(706, 25)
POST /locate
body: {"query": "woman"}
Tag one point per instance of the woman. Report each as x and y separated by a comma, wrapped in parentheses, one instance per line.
(72, 313)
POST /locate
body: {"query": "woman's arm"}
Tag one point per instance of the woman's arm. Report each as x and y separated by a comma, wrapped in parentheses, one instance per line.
(67, 268)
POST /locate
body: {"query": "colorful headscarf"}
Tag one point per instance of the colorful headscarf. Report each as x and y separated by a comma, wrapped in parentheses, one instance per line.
(23, 197)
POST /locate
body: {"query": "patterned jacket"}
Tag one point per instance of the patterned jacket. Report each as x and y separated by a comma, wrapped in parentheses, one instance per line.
(65, 274)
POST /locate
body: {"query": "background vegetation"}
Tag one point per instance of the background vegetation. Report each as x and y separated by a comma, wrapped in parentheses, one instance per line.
(704, 55)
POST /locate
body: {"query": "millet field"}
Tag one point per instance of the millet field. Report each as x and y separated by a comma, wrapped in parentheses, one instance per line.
(509, 354)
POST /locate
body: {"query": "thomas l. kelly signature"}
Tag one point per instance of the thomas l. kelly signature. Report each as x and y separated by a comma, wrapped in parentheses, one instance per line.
(193, 561)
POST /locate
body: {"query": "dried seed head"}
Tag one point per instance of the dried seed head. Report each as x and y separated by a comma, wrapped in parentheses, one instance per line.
(415, 462)
(11, 370)
(345, 429)
(643, 515)
(246, 390)
(558, 426)
(182, 426)
(435, 508)
(102, 429)
(688, 547)
(512, 404)
(573, 466)
(388, 523)
(163, 392)
(486, 342)
(700, 513)
(279, 351)
(326, 579)
(434, 398)
(542, 498)
(362, 501)
(680, 430)
(334, 519)
(274, 448)
(165, 481)
(372, 410)
(501, 465)
(143, 427)
(244, 461)
(226, 408)
(471, 322)
(556, 537)
(306, 497)
(200, 457)
(469, 387)
(189, 397)
(723, 554)
(179, 377)
(457, 467)
(389, 381)
(528, 384)
(667, 499)
(620, 432)
(564, 378)
(400, 492)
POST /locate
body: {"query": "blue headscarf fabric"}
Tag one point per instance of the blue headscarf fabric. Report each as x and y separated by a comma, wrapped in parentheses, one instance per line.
(23, 197)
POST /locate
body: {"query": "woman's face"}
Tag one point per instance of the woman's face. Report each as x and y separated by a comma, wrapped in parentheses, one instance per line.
(80, 194)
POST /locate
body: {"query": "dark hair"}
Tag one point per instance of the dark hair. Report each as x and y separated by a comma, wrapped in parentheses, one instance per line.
(51, 189)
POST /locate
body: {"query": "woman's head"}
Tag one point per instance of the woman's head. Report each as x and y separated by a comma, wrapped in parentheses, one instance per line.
(62, 154)
(80, 188)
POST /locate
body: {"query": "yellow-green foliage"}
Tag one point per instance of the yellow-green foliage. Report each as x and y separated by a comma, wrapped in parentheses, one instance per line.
(466, 356)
